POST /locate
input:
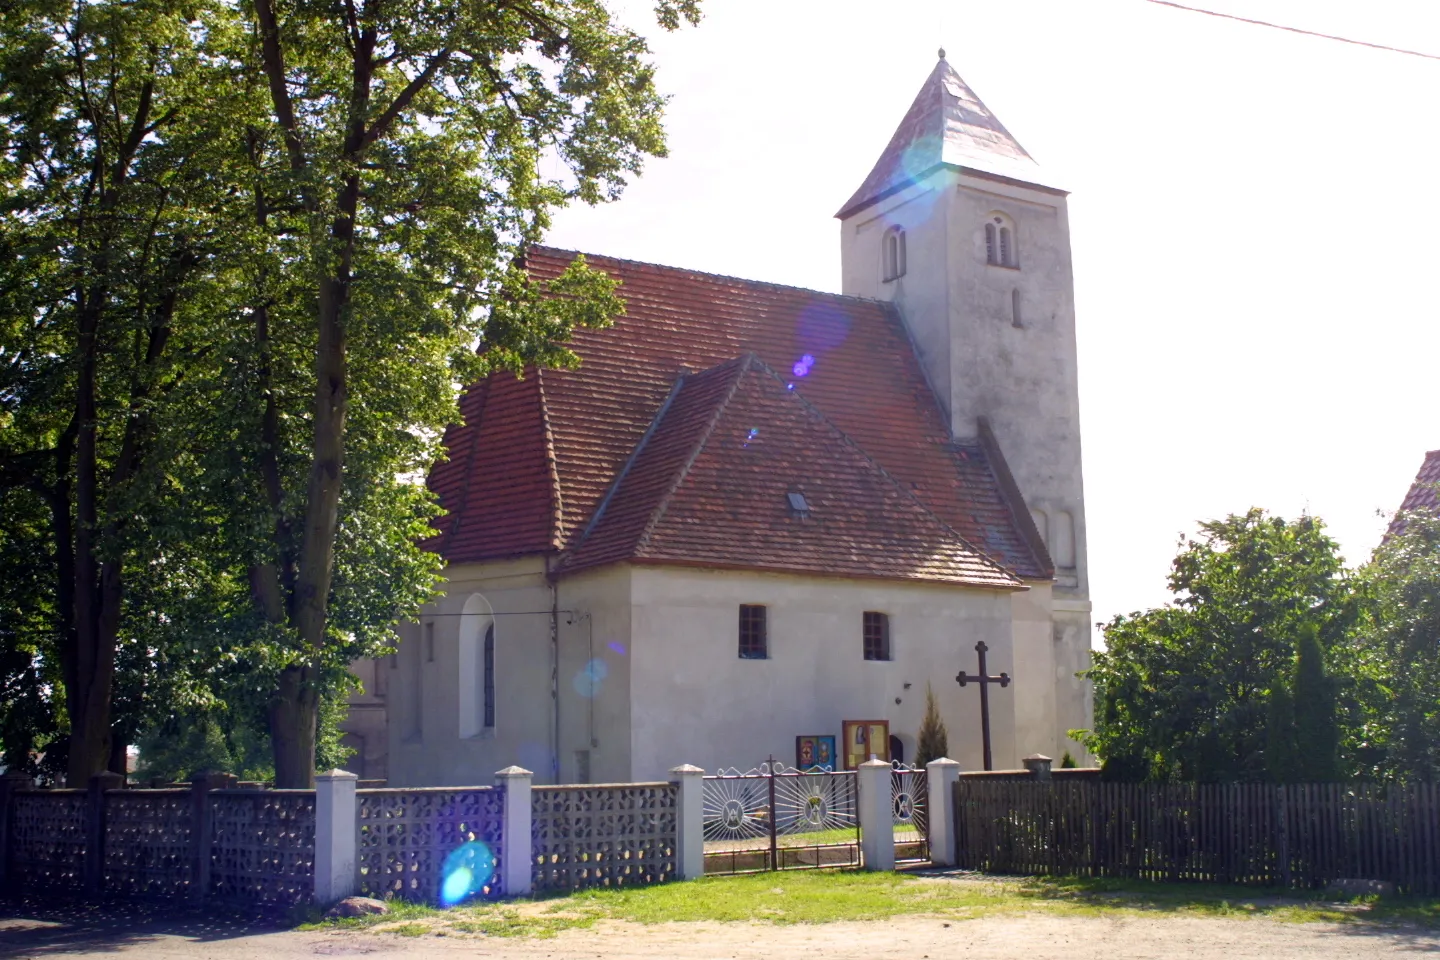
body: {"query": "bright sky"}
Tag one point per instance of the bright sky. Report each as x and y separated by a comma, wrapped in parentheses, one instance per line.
(1255, 218)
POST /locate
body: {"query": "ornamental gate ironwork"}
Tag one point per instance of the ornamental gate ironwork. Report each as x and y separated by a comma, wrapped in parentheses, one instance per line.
(776, 817)
(910, 806)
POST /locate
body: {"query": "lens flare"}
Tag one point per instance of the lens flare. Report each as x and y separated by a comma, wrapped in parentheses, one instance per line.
(616, 646)
(754, 432)
(821, 327)
(468, 871)
(587, 681)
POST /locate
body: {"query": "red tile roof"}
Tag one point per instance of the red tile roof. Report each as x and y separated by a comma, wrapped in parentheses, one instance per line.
(946, 125)
(709, 485)
(1422, 491)
(536, 457)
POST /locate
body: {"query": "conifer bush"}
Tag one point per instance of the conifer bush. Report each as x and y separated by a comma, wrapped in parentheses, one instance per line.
(934, 740)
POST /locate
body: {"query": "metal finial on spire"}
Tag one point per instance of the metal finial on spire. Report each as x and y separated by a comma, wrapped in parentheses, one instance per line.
(942, 53)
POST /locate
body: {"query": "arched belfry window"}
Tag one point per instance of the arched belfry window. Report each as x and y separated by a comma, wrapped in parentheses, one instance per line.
(1000, 250)
(892, 254)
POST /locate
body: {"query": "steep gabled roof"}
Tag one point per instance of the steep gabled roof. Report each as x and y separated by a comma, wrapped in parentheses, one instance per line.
(1422, 492)
(546, 450)
(497, 483)
(709, 484)
(946, 126)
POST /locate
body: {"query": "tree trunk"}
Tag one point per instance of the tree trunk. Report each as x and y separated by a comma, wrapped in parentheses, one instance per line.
(294, 712)
(88, 696)
(119, 755)
(294, 709)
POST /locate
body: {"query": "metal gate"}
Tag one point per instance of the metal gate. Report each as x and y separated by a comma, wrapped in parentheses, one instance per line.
(776, 817)
(910, 806)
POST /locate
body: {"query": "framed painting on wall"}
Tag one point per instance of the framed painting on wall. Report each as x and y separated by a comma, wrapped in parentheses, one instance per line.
(863, 738)
(812, 752)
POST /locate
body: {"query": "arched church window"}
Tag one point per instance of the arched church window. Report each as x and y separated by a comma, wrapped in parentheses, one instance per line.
(1000, 248)
(489, 678)
(892, 254)
(477, 668)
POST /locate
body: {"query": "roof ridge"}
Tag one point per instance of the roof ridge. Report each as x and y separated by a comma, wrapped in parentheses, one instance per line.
(983, 555)
(557, 503)
(624, 470)
(706, 273)
(746, 361)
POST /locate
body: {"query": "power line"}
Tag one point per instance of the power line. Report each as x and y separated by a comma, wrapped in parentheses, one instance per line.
(1281, 26)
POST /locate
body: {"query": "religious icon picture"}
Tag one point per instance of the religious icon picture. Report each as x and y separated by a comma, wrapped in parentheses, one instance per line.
(813, 752)
(864, 738)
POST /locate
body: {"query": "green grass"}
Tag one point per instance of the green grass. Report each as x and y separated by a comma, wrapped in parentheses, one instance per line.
(823, 897)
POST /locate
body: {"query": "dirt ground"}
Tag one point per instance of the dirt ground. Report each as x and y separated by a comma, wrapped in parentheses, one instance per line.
(116, 931)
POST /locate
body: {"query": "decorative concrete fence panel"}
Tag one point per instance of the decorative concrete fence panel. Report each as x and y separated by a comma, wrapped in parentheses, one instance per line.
(150, 843)
(406, 836)
(604, 835)
(48, 838)
(262, 846)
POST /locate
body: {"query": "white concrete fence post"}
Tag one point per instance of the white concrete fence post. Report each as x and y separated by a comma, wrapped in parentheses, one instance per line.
(517, 857)
(336, 874)
(689, 821)
(940, 777)
(877, 817)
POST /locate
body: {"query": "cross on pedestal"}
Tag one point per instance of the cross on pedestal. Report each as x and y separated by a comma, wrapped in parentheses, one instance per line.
(984, 680)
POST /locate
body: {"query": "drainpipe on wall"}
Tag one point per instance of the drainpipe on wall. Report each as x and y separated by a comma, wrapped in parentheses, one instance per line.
(554, 672)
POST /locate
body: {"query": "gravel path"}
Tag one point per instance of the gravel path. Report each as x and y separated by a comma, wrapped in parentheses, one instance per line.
(1034, 937)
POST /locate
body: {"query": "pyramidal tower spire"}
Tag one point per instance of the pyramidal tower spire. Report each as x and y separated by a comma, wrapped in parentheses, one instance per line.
(946, 125)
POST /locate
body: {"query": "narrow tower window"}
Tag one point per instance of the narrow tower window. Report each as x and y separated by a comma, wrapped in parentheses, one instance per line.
(1015, 308)
(892, 254)
(1000, 243)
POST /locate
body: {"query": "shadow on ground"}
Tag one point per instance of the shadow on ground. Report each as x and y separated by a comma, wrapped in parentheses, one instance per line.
(44, 926)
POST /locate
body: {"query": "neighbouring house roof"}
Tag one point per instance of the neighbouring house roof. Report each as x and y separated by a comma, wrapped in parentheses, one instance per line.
(1422, 492)
(535, 459)
(946, 126)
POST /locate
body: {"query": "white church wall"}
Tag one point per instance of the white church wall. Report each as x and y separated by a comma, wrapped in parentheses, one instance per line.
(593, 681)
(922, 293)
(694, 700)
(1036, 707)
(442, 746)
(1075, 704)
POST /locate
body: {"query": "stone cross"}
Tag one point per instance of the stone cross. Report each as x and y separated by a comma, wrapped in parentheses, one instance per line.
(984, 680)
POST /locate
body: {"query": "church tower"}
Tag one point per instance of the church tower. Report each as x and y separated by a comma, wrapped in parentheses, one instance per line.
(959, 228)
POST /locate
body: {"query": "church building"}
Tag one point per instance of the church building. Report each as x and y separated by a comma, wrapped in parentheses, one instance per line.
(760, 520)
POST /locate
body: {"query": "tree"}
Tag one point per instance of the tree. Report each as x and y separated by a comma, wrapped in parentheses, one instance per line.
(1282, 751)
(1397, 723)
(108, 179)
(1185, 691)
(252, 251)
(934, 741)
(1317, 735)
(398, 175)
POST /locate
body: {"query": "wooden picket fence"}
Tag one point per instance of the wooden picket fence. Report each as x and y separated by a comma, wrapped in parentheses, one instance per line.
(1304, 836)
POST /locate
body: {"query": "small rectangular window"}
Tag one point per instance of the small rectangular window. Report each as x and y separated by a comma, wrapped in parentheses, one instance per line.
(754, 643)
(877, 636)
